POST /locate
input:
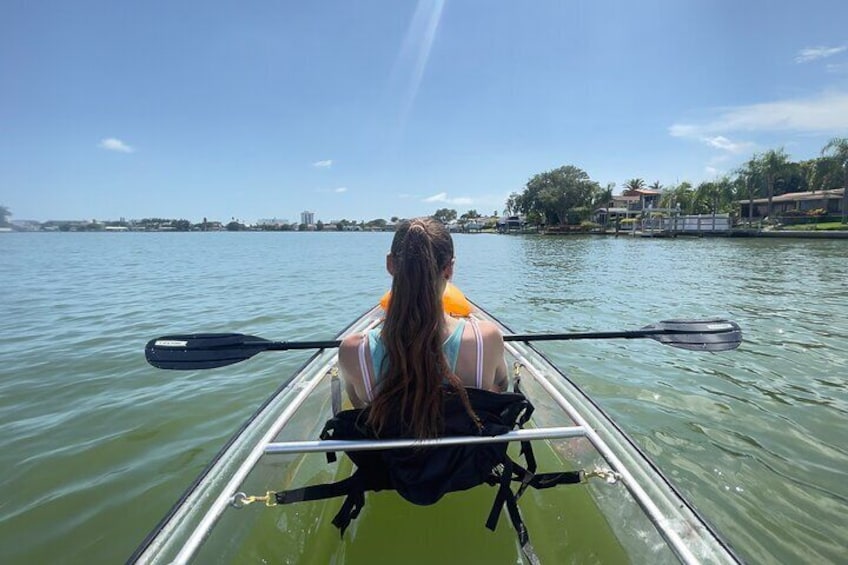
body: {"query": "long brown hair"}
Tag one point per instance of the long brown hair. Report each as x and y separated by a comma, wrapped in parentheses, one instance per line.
(411, 386)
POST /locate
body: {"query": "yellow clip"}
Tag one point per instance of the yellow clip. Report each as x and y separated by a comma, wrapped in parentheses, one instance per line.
(240, 499)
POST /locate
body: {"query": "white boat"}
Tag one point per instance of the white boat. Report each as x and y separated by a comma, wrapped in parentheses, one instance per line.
(625, 509)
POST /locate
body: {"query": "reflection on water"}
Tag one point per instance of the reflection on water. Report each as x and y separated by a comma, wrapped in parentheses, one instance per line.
(96, 444)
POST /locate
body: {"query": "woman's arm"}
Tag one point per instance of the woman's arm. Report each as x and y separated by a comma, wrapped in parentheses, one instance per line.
(349, 368)
(493, 349)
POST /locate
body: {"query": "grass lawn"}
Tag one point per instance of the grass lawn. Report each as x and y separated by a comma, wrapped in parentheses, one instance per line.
(819, 226)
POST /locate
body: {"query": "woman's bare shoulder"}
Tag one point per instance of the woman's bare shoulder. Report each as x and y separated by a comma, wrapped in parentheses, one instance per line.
(352, 340)
(490, 331)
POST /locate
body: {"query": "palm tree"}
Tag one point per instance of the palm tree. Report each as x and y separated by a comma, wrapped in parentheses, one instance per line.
(681, 197)
(633, 184)
(726, 193)
(750, 172)
(772, 164)
(656, 186)
(837, 149)
(4, 213)
(603, 198)
(706, 198)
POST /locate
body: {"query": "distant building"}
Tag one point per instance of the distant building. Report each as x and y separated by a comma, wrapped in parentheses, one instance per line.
(512, 223)
(275, 222)
(25, 225)
(307, 218)
(647, 198)
(828, 200)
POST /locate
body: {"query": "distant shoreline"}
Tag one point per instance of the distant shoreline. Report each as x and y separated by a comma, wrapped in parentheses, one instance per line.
(772, 234)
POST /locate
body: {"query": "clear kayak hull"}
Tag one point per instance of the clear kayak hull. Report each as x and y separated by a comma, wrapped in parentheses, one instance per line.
(636, 516)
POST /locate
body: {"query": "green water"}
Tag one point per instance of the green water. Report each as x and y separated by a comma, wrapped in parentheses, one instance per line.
(96, 444)
(564, 524)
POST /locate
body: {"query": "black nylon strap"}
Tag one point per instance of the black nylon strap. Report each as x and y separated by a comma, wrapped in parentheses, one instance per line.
(548, 480)
(501, 497)
(525, 476)
(349, 511)
(517, 522)
(527, 452)
(318, 492)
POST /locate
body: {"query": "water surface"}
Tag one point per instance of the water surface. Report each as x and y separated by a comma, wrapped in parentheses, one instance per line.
(96, 444)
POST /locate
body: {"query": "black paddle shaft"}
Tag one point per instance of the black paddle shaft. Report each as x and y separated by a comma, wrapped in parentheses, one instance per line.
(207, 351)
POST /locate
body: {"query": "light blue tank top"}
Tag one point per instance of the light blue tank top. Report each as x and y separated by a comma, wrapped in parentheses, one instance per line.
(378, 350)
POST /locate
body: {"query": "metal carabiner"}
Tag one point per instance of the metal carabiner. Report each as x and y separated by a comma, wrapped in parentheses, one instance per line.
(608, 475)
(240, 499)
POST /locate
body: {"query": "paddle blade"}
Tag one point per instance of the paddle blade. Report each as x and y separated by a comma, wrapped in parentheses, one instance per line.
(698, 335)
(202, 351)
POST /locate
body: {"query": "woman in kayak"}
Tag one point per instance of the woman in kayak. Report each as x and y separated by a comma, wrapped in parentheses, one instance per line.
(404, 365)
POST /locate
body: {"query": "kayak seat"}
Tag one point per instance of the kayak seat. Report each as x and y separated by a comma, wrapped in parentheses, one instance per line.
(423, 475)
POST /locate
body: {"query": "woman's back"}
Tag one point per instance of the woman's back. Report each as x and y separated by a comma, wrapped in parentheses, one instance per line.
(474, 352)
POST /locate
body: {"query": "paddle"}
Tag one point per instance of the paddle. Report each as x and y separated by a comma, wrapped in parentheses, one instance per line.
(207, 351)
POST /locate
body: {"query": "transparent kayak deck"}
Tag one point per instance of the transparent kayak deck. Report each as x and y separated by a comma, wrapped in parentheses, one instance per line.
(630, 514)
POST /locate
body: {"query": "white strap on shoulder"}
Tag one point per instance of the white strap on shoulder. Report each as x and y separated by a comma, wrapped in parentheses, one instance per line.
(363, 367)
(479, 339)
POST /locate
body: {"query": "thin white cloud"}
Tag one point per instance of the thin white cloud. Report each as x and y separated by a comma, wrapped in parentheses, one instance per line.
(340, 189)
(824, 113)
(113, 144)
(725, 144)
(712, 171)
(443, 198)
(813, 53)
(324, 164)
(836, 67)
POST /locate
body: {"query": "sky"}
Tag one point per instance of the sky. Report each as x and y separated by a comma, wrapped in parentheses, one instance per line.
(372, 109)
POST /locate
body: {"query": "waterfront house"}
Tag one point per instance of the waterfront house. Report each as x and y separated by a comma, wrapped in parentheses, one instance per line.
(794, 202)
(512, 224)
(627, 205)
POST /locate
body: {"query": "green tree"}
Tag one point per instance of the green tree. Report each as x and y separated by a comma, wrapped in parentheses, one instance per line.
(821, 173)
(837, 151)
(379, 223)
(727, 195)
(681, 196)
(470, 215)
(656, 186)
(553, 194)
(705, 196)
(603, 199)
(445, 215)
(319, 226)
(511, 207)
(751, 176)
(4, 214)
